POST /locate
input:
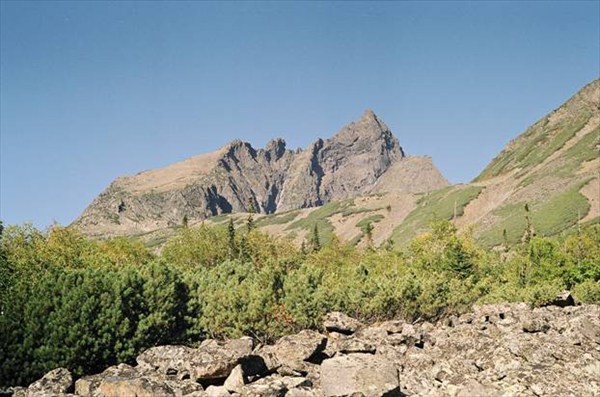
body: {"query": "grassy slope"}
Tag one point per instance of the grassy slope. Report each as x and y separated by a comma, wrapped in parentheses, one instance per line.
(437, 205)
(557, 214)
(556, 211)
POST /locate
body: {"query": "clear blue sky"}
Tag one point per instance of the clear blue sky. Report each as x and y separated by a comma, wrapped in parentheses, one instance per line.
(94, 90)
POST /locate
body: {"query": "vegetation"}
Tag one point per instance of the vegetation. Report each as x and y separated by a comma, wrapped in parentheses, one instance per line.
(278, 219)
(84, 304)
(535, 146)
(584, 150)
(561, 212)
(364, 223)
(443, 204)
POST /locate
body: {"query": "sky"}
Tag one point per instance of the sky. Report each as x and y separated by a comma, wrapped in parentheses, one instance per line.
(90, 91)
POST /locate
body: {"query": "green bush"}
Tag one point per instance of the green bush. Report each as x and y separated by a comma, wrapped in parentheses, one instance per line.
(82, 304)
(238, 299)
(86, 319)
(588, 292)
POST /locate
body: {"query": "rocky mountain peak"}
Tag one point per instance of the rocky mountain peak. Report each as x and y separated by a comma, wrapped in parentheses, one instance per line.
(275, 148)
(238, 177)
(238, 145)
(366, 134)
(369, 117)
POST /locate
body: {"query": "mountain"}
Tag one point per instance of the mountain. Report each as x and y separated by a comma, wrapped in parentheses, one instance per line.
(360, 186)
(363, 158)
(553, 167)
(549, 174)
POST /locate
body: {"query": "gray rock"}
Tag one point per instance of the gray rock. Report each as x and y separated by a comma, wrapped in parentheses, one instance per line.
(17, 391)
(295, 351)
(359, 374)
(212, 360)
(236, 380)
(349, 345)
(57, 381)
(339, 322)
(172, 360)
(124, 380)
(303, 393)
(139, 386)
(463, 360)
(392, 326)
(535, 325)
(475, 389)
(563, 299)
(217, 391)
(271, 386)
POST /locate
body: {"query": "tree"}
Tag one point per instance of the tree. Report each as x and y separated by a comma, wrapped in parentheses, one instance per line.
(369, 233)
(315, 242)
(251, 206)
(203, 246)
(231, 244)
(250, 223)
(529, 230)
(5, 271)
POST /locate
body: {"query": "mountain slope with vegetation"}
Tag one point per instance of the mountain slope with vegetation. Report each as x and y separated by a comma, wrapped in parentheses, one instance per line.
(546, 181)
(549, 174)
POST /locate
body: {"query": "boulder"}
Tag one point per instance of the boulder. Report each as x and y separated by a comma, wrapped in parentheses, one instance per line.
(236, 379)
(392, 326)
(167, 360)
(57, 381)
(275, 386)
(508, 349)
(349, 345)
(87, 386)
(532, 325)
(473, 388)
(217, 391)
(339, 322)
(295, 353)
(266, 387)
(303, 392)
(124, 380)
(138, 387)
(359, 374)
(212, 360)
(563, 299)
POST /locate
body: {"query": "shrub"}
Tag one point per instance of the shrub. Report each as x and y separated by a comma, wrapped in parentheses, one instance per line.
(86, 319)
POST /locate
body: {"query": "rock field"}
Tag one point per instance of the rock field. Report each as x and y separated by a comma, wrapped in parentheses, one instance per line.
(495, 350)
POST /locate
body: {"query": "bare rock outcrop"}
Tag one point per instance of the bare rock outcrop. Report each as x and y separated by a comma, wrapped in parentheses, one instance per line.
(495, 350)
(239, 178)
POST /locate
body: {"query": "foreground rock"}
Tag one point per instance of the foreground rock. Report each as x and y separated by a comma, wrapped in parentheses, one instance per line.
(364, 374)
(339, 322)
(56, 383)
(495, 350)
(211, 361)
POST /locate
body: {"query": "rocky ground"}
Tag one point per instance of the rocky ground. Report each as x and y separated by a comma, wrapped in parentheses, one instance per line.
(496, 350)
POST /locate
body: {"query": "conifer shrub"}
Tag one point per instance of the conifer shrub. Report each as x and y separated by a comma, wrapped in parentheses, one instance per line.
(83, 304)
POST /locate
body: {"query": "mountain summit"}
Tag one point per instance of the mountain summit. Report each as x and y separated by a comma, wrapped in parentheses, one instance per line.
(364, 157)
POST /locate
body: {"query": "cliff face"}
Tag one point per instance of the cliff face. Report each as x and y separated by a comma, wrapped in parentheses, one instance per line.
(344, 166)
(239, 178)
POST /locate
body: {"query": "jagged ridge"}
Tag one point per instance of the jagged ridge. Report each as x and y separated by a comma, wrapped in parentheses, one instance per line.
(239, 178)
